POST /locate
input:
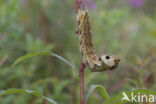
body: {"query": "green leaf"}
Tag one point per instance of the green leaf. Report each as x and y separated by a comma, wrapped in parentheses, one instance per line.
(20, 91)
(101, 90)
(117, 98)
(39, 54)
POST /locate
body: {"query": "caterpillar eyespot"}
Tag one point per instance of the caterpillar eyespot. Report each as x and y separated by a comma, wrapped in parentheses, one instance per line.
(100, 59)
(107, 57)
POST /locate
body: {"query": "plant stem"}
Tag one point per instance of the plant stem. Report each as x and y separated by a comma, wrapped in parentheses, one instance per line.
(44, 94)
(3, 60)
(82, 67)
(81, 75)
(78, 2)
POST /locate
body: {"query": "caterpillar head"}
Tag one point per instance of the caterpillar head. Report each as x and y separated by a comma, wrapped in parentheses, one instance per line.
(109, 62)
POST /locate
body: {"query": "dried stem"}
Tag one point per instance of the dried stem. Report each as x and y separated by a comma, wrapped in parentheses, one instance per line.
(81, 75)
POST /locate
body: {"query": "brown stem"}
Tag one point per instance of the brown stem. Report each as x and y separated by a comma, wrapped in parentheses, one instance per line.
(2, 37)
(3, 60)
(81, 75)
(74, 95)
(44, 94)
(82, 67)
(78, 2)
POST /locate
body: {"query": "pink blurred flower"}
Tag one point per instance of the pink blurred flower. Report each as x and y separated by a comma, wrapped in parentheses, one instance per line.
(90, 4)
(137, 3)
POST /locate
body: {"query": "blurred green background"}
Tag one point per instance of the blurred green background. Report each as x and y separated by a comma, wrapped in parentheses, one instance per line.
(126, 28)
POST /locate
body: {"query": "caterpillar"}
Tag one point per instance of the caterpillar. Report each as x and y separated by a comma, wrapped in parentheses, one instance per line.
(89, 57)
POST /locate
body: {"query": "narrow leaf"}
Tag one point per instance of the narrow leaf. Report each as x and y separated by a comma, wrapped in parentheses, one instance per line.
(101, 90)
(20, 91)
(61, 58)
(29, 55)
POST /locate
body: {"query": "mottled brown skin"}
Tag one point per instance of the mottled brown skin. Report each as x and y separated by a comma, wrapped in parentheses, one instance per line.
(96, 64)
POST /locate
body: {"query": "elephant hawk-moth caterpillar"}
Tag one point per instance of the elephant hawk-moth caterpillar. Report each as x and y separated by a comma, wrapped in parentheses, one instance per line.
(89, 57)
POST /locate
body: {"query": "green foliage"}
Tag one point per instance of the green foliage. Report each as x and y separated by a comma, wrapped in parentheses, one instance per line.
(20, 91)
(118, 28)
(117, 98)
